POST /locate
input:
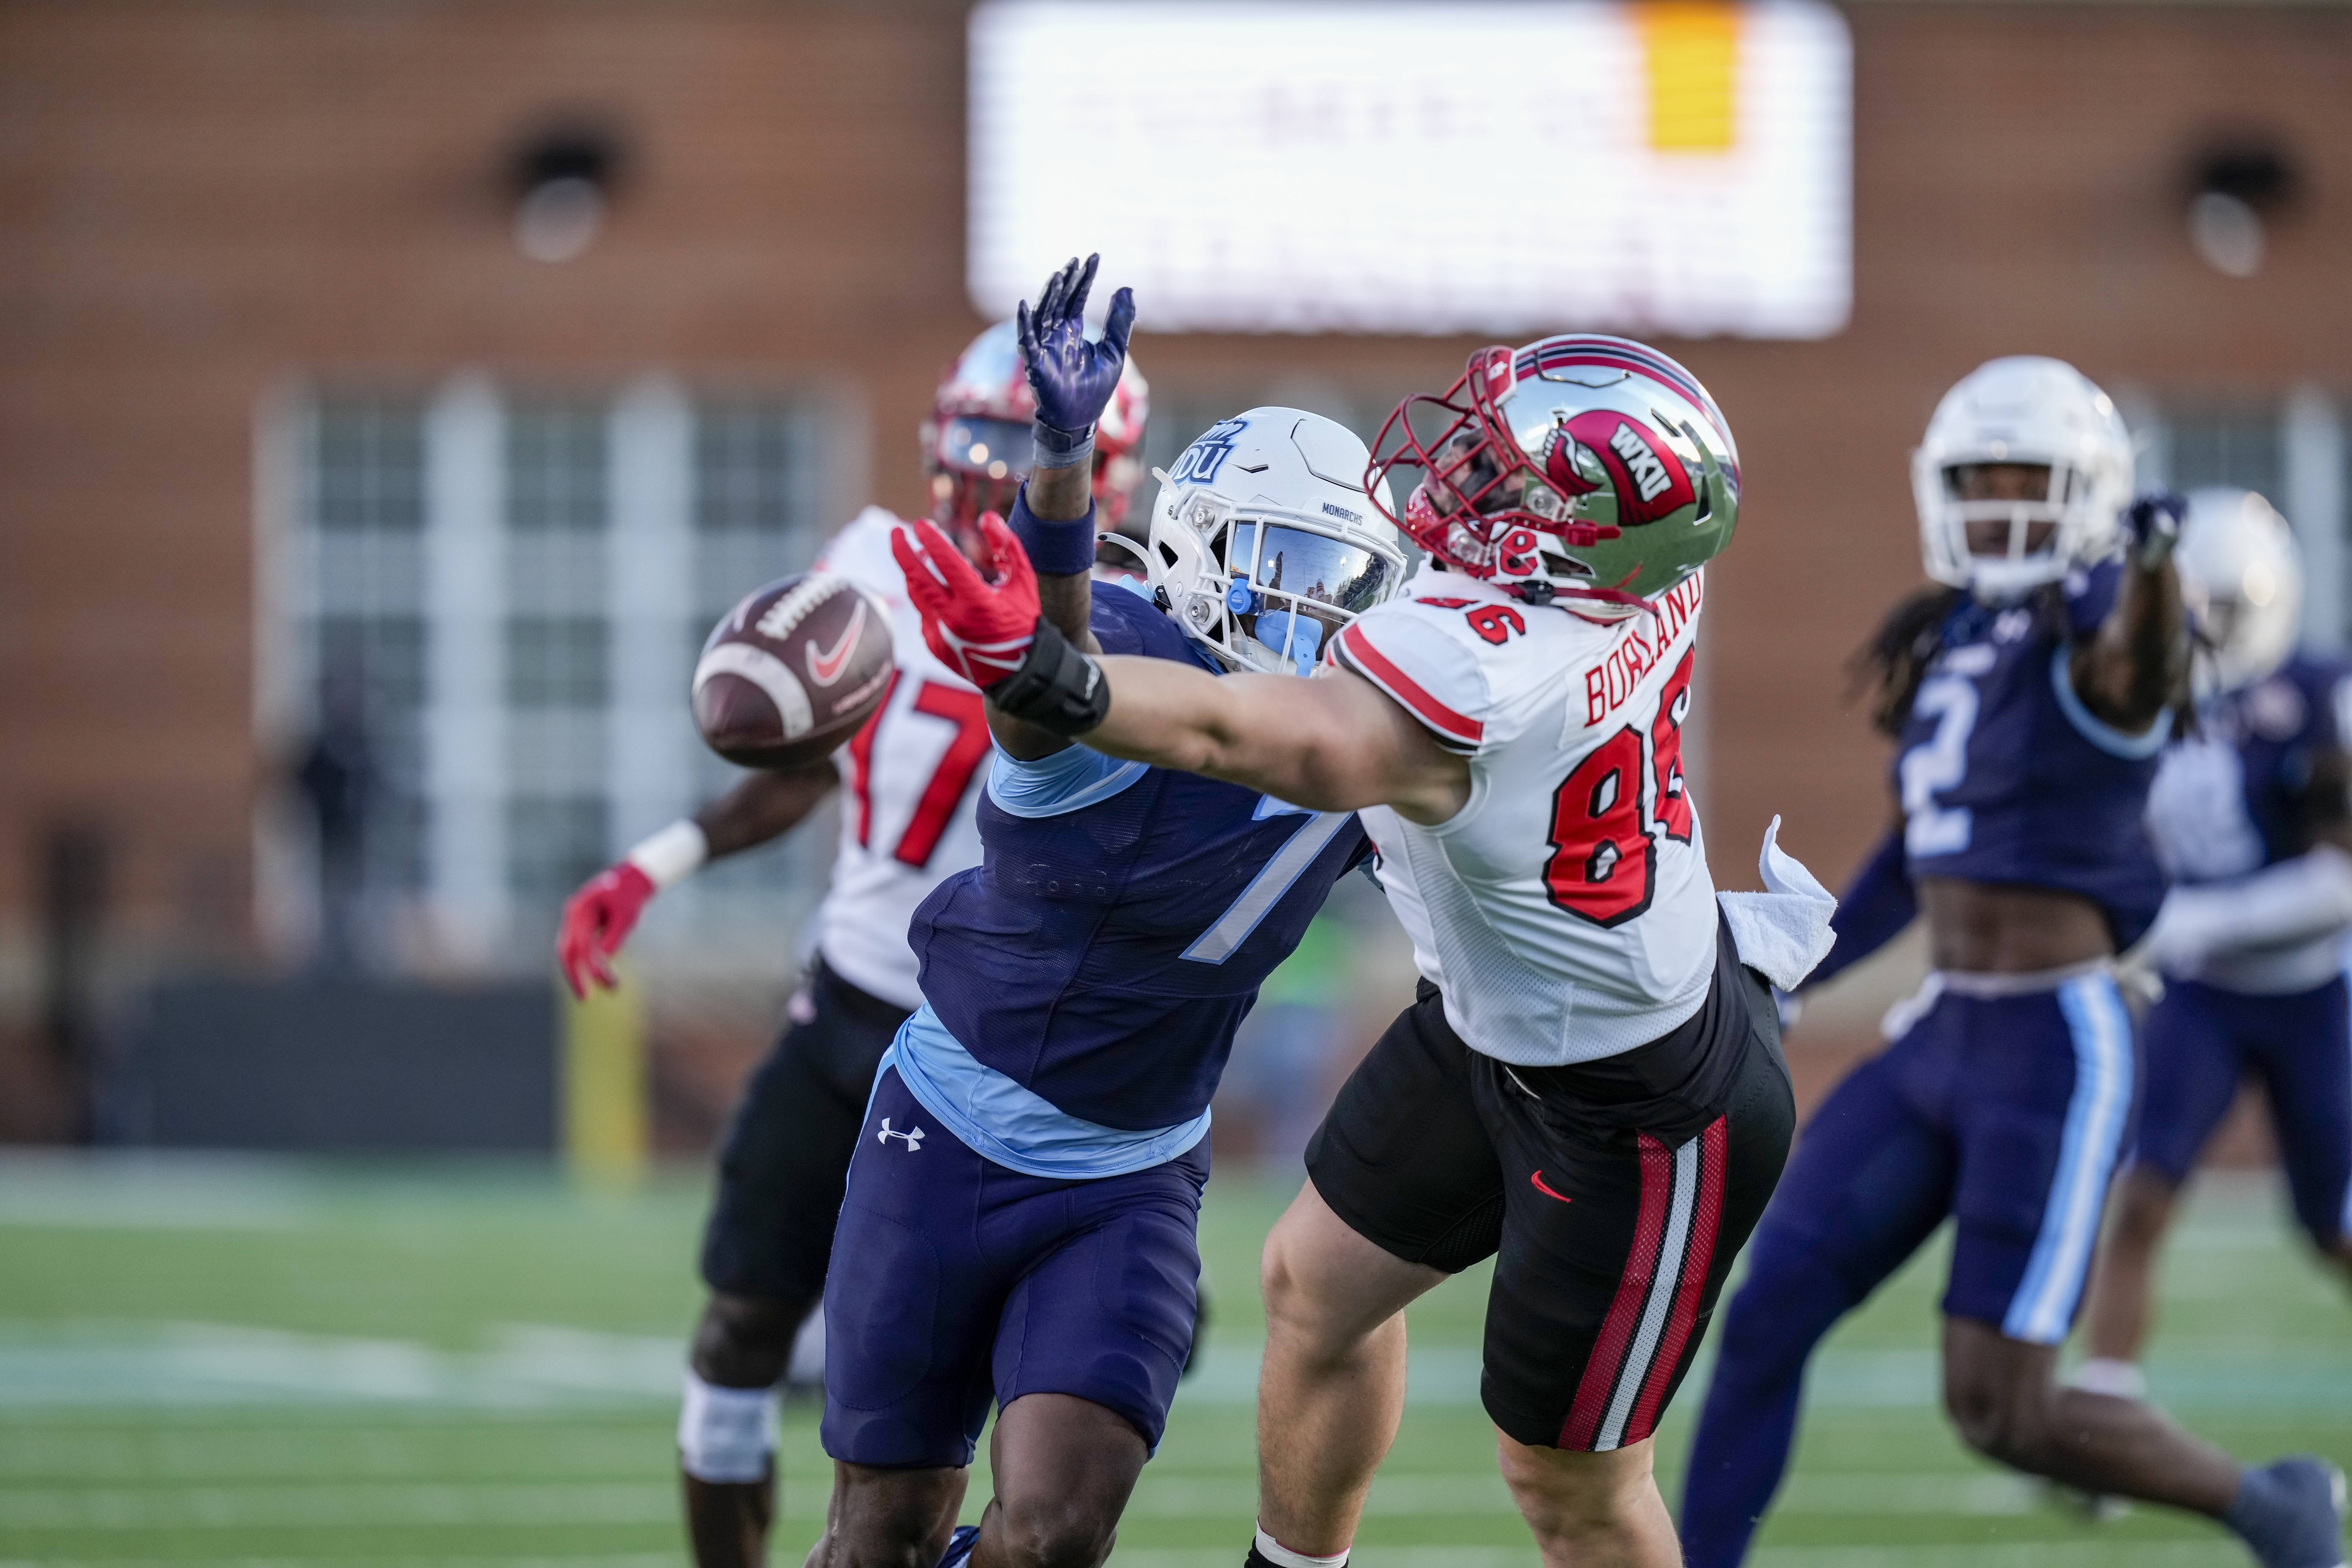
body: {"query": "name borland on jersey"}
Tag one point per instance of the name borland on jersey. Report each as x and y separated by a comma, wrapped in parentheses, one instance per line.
(1527, 909)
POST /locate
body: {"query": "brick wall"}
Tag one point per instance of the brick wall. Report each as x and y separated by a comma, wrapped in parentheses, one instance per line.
(200, 198)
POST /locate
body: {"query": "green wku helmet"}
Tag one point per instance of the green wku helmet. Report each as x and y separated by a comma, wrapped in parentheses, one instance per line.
(1580, 467)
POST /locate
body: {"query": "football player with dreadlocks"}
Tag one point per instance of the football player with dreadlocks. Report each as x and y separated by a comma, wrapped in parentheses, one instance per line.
(913, 776)
(2251, 820)
(2029, 693)
(1590, 1080)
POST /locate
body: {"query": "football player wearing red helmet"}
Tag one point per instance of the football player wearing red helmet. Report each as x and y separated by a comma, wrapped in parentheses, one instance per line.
(1590, 1083)
(913, 775)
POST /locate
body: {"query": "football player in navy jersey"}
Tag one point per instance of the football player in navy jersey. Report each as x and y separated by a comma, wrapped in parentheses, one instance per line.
(2030, 694)
(1018, 1222)
(2250, 817)
(912, 780)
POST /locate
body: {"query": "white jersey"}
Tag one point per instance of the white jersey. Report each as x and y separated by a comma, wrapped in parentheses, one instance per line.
(1565, 912)
(910, 781)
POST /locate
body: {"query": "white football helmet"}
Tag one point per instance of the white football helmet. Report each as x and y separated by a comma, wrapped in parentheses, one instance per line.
(2036, 412)
(1263, 541)
(2241, 579)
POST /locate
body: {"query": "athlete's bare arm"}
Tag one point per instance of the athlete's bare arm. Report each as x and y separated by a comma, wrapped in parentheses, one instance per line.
(1334, 742)
(2128, 671)
(764, 806)
(2328, 799)
(1055, 495)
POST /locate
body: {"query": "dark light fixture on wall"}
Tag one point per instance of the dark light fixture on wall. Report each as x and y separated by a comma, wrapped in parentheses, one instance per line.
(2237, 187)
(563, 180)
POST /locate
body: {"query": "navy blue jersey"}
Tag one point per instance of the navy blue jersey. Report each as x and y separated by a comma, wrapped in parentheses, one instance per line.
(2242, 792)
(1102, 955)
(2005, 777)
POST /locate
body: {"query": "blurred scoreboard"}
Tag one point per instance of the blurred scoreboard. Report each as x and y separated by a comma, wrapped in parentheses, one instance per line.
(1679, 167)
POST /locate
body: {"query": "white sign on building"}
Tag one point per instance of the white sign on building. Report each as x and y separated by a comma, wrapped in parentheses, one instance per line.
(1679, 167)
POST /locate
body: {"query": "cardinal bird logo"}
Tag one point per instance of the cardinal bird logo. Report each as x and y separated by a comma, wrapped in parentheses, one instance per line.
(825, 667)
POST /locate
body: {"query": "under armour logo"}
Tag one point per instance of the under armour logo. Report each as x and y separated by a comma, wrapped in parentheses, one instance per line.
(913, 1140)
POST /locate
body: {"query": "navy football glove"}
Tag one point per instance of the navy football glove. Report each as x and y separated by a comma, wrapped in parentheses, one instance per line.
(2154, 521)
(1073, 379)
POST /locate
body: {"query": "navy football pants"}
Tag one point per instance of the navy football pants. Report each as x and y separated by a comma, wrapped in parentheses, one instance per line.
(957, 1281)
(2201, 1040)
(2006, 1114)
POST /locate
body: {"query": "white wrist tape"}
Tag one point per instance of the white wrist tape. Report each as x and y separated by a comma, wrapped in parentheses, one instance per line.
(673, 855)
(1274, 1550)
(2293, 900)
(726, 1434)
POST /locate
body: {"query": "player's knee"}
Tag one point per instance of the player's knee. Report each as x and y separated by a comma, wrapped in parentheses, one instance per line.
(2143, 1207)
(1569, 1496)
(1293, 1309)
(2007, 1424)
(1053, 1532)
(1787, 1300)
(744, 1342)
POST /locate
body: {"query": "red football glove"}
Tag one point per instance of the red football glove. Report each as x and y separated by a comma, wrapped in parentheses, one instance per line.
(979, 630)
(596, 921)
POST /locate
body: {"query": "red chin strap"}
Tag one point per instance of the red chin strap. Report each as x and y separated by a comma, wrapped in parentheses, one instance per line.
(1469, 406)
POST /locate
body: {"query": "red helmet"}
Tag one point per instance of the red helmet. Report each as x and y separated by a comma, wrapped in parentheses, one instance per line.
(976, 442)
(1580, 467)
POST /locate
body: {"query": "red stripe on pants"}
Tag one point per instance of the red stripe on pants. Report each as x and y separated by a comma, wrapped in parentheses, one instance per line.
(1594, 1392)
(1698, 1258)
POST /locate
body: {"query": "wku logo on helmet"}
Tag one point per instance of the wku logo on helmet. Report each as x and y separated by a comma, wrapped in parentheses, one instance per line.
(1650, 480)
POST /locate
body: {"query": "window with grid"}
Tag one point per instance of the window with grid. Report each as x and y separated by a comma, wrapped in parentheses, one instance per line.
(364, 637)
(557, 646)
(2227, 444)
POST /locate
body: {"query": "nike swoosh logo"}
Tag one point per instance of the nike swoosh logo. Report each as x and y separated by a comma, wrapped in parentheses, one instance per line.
(825, 668)
(1544, 1189)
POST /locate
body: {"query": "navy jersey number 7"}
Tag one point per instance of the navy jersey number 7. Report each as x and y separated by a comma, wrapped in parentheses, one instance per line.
(1122, 916)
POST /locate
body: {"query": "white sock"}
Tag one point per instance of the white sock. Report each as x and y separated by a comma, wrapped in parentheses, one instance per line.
(2104, 1374)
(1274, 1552)
(724, 1433)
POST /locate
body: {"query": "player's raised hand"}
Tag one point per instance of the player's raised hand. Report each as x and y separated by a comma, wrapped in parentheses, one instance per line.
(1074, 379)
(596, 921)
(2153, 520)
(980, 629)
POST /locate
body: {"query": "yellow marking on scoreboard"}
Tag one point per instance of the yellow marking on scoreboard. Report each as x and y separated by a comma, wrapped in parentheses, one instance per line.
(1693, 52)
(604, 1082)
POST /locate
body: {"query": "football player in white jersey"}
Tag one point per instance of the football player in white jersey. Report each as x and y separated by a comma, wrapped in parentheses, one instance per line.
(1590, 1082)
(911, 776)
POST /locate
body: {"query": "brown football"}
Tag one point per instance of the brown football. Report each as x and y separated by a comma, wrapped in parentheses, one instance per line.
(792, 671)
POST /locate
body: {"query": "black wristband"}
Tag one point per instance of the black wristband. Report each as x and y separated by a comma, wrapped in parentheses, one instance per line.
(1057, 687)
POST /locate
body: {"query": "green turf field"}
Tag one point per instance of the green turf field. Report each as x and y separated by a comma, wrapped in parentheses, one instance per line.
(257, 1363)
